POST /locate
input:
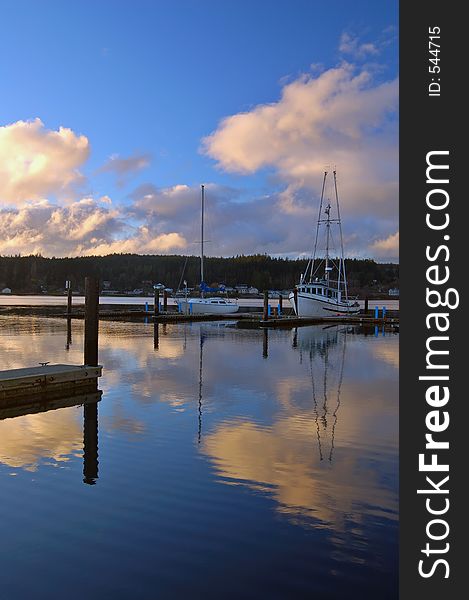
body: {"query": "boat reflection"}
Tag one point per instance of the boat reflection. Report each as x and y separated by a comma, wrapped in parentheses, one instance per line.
(312, 458)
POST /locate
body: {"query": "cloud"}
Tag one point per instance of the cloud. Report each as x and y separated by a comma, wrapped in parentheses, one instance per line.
(125, 167)
(35, 161)
(339, 118)
(85, 227)
(350, 44)
(388, 246)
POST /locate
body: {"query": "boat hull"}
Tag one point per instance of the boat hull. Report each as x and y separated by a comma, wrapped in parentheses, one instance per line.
(206, 307)
(309, 306)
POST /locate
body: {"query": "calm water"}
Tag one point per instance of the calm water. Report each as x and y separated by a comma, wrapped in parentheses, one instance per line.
(231, 465)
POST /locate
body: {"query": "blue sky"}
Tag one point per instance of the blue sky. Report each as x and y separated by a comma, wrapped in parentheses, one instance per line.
(146, 82)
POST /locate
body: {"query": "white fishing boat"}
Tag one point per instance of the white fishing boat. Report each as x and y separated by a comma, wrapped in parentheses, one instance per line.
(206, 305)
(322, 290)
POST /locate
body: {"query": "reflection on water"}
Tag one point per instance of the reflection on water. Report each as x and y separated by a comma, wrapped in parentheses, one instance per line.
(262, 458)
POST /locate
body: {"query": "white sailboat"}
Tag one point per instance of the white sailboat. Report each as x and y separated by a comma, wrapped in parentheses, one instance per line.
(318, 294)
(211, 305)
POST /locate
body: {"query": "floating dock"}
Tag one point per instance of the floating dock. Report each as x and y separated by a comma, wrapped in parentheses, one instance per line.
(30, 384)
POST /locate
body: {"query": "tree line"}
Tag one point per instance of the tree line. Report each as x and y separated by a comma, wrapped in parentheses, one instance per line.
(126, 272)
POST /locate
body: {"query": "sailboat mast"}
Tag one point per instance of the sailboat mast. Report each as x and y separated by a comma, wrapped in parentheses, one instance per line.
(328, 227)
(341, 237)
(202, 237)
(313, 258)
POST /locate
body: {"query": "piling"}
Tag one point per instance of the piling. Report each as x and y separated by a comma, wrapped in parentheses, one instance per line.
(156, 302)
(265, 314)
(295, 299)
(280, 304)
(165, 300)
(69, 297)
(384, 312)
(366, 305)
(376, 312)
(90, 443)
(91, 321)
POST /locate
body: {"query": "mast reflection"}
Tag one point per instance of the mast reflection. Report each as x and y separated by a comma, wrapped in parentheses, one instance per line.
(326, 348)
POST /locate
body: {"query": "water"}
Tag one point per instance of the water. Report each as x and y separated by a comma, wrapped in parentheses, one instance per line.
(232, 464)
(12, 300)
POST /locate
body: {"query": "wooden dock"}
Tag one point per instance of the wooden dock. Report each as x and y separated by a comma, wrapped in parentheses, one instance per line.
(51, 381)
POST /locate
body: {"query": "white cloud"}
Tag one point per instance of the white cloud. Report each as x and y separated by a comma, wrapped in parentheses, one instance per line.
(386, 247)
(82, 228)
(125, 167)
(36, 162)
(350, 44)
(340, 118)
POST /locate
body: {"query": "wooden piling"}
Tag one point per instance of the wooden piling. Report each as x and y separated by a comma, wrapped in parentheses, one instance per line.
(295, 299)
(165, 300)
(366, 305)
(265, 315)
(69, 298)
(280, 302)
(91, 321)
(157, 302)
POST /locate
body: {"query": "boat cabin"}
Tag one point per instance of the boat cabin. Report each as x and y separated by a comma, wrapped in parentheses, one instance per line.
(320, 290)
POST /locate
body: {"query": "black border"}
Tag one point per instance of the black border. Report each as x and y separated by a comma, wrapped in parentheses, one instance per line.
(426, 124)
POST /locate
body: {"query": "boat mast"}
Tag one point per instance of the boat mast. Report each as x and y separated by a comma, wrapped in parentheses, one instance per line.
(342, 258)
(202, 240)
(313, 259)
(328, 232)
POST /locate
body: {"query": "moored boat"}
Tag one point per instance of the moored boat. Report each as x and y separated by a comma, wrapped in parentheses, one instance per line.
(322, 290)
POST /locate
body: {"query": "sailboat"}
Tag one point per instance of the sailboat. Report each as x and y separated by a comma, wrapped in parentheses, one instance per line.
(325, 293)
(210, 305)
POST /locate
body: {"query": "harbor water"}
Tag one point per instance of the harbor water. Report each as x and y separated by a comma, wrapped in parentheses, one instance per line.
(230, 464)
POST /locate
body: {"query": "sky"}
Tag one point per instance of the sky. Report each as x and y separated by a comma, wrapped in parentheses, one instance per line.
(113, 113)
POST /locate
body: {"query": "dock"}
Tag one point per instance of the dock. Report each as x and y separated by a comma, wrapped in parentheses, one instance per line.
(53, 381)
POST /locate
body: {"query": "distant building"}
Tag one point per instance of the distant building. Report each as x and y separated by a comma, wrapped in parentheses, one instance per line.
(244, 288)
(6, 290)
(393, 292)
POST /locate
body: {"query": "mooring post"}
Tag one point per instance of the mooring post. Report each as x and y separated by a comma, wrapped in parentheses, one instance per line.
(366, 305)
(157, 303)
(90, 443)
(265, 315)
(384, 312)
(295, 300)
(376, 312)
(69, 298)
(91, 321)
(165, 300)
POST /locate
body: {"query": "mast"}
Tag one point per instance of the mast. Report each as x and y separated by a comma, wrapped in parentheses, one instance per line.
(202, 239)
(313, 259)
(341, 239)
(328, 232)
